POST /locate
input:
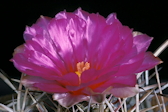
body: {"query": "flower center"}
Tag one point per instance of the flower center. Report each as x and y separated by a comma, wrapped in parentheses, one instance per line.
(81, 67)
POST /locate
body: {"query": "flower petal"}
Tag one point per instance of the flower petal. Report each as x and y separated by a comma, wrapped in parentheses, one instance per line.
(149, 62)
(36, 29)
(130, 66)
(63, 45)
(38, 83)
(71, 79)
(48, 50)
(98, 83)
(82, 14)
(128, 80)
(67, 99)
(117, 45)
(95, 24)
(76, 35)
(123, 91)
(112, 18)
(88, 75)
(142, 42)
(33, 65)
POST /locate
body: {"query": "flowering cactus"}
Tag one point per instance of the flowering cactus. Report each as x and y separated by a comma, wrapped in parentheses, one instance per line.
(80, 55)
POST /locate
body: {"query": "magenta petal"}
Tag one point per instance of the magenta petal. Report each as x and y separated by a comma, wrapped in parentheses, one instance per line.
(88, 75)
(73, 88)
(142, 42)
(127, 40)
(76, 35)
(51, 87)
(117, 45)
(63, 45)
(109, 40)
(43, 21)
(37, 83)
(32, 31)
(71, 79)
(24, 64)
(98, 85)
(149, 62)
(129, 81)
(48, 50)
(82, 14)
(68, 100)
(112, 18)
(130, 66)
(123, 91)
(95, 25)
(29, 33)
(40, 59)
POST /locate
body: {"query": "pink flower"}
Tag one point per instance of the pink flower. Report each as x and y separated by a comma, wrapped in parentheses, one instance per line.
(78, 55)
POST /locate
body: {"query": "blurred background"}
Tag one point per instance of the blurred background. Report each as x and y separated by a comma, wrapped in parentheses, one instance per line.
(150, 17)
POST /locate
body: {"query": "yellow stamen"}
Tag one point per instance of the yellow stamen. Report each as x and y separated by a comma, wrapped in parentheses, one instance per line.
(81, 67)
